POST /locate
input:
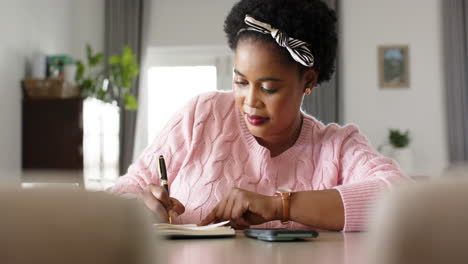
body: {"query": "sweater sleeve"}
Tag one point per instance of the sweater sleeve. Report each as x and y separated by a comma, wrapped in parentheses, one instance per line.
(173, 142)
(364, 174)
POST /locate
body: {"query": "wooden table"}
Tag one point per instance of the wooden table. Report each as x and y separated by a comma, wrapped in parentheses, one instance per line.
(329, 247)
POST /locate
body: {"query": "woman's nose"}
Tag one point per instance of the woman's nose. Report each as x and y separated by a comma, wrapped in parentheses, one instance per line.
(252, 97)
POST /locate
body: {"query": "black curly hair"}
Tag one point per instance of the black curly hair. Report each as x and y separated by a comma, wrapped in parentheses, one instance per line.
(311, 21)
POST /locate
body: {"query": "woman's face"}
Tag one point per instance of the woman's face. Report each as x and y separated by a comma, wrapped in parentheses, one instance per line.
(268, 91)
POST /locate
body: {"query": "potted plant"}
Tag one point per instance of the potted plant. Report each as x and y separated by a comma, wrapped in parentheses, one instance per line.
(113, 85)
(398, 149)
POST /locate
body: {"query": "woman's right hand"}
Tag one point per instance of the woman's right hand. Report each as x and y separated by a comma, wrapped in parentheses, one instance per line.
(158, 201)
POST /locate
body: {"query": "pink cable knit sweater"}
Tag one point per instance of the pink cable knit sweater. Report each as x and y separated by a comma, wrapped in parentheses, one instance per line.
(209, 150)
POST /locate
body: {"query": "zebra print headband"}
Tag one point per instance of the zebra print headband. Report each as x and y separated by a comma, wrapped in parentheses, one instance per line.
(298, 49)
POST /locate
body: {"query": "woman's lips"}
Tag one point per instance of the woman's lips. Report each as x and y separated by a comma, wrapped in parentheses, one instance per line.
(256, 120)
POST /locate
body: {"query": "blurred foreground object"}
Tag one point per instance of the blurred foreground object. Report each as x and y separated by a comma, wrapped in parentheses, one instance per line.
(70, 226)
(422, 224)
(457, 169)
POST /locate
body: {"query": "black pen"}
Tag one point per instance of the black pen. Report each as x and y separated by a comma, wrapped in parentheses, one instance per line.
(163, 177)
(163, 173)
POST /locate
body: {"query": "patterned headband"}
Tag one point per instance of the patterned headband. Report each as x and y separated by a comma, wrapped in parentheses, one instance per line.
(298, 49)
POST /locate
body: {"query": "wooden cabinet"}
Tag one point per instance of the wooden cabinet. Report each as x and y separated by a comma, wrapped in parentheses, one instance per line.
(52, 133)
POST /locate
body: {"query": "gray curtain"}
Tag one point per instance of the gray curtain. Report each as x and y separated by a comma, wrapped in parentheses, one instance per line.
(323, 102)
(455, 29)
(123, 26)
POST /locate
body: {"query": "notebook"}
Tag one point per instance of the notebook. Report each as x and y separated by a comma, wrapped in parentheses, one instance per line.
(192, 230)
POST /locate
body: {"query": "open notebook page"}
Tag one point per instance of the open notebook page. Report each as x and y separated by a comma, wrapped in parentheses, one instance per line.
(192, 230)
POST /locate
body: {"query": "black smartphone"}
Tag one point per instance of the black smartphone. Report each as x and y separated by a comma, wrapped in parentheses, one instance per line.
(280, 234)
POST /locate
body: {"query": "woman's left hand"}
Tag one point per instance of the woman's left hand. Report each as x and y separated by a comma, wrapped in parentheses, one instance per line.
(244, 208)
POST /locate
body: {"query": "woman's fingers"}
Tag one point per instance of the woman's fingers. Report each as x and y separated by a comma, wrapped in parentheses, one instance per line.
(155, 206)
(216, 215)
(161, 194)
(176, 206)
(158, 201)
(210, 218)
(238, 210)
(242, 208)
(240, 223)
(226, 211)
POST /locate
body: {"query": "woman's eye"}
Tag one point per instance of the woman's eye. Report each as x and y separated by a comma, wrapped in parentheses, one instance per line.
(240, 83)
(269, 91)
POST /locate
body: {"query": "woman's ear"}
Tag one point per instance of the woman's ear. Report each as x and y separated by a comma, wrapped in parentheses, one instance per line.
(310, 77)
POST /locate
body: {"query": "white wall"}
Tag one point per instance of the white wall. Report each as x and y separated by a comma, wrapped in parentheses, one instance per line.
(87, 26)
(27, 26)
(365, 24)
(188, 22)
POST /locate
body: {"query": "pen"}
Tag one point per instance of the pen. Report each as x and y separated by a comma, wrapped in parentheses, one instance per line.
(163, 177)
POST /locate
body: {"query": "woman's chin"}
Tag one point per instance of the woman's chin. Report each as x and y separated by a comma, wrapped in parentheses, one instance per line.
(257, 131)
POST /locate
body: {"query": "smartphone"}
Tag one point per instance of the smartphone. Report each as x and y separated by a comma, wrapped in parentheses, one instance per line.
(280, 234)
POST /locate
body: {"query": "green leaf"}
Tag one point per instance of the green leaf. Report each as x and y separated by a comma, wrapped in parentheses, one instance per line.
(87, 87)
(126, 83)
(129, 61)
(89, 52)
(90, 85)
(96, 59)
(114, 60)
(101, 94)
(131, 102)
(127, 56)
(399, 139)
(80, 69)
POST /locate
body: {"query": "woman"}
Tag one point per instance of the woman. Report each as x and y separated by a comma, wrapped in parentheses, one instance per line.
(228, 153)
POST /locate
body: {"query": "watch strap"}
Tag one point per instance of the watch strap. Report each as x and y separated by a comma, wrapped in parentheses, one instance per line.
(285, 200)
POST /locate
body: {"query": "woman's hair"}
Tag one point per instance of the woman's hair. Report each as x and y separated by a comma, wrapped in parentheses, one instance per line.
(308, 20)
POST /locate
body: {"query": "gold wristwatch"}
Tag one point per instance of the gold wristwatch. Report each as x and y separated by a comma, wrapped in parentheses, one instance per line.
(285, 199)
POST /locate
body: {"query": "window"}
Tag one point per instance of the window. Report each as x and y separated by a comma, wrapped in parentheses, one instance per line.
(169, 88)
(170, 78)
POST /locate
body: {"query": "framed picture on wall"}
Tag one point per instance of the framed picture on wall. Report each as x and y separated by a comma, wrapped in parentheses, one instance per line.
(393, 66)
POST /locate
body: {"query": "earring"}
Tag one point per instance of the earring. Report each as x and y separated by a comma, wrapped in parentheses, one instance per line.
(307, 91)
